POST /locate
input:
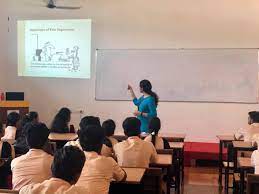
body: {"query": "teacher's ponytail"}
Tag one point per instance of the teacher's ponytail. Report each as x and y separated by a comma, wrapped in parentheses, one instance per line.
(147, 88)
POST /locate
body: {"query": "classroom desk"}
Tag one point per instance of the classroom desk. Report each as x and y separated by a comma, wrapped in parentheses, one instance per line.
(178, 148)
(176, 145)
(171, 137)
(241, 146)
(165, 161)
(62, 136)
(244, 164)
(134, 175)
(223, 139)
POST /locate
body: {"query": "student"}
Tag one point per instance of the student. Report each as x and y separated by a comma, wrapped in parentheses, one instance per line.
(34, 166)
(61, 121)
(253, 121)
(21, 146)
(12, 124)
(88, 120)
(134, 152)
(158, 142)
(7, 152)
(98, 170)
(109, 141)
(66, 169)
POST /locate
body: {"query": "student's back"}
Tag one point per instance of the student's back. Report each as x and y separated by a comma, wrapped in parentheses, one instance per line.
(66, 168)
(109, 141)
(154, 128)
(61, 121)
(11, 129)
(34, 166)
(98, 170)
(134, 152)
(252, 129)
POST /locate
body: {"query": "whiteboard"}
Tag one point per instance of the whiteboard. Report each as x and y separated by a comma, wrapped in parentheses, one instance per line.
(179, 75)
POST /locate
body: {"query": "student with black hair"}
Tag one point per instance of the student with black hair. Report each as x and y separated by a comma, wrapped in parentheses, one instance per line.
(98, 171)
(134, 152)
(109, 141)
(60, 124)
(154, 128)
(66, 169)
(34, 166)
(252, 129)
(85, 121)
(20, 145)
(11, 126)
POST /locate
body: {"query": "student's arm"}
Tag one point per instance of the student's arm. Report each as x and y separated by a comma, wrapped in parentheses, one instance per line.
(118, 173)
(240, 134)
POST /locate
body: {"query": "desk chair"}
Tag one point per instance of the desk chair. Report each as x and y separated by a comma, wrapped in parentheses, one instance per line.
(153, 181)
(228, 165)
(252, 184)
(174, 170)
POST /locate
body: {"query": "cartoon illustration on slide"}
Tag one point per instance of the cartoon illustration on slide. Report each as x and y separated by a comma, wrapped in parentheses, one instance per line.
(48, 54)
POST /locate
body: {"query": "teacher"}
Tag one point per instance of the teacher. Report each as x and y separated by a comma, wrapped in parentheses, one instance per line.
(147, 104)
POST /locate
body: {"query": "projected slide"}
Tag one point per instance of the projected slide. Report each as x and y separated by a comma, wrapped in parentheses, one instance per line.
(54, 48)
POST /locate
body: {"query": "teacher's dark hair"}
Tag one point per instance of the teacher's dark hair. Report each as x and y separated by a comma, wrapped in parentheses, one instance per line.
(147, 88)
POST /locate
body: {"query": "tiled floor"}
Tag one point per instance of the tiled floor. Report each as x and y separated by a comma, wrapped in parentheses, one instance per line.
(201, 180)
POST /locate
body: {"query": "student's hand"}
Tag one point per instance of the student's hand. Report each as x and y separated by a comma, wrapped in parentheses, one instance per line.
(137, 113)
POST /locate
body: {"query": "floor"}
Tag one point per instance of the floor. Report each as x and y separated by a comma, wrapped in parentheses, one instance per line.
(201, 180)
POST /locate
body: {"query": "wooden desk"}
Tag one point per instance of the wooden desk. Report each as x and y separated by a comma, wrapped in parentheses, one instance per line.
(7, 106)
(242, 145)
(244, 164)
(223, 139)
(163, 161)
(62, 136)
(176, 145)
(171, 137)
(134, 175)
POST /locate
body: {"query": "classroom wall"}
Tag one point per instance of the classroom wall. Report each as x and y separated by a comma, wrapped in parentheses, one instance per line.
(142, 24)
(3, 46)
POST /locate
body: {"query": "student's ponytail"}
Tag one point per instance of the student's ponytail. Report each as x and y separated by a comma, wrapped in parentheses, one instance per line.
(154, 126)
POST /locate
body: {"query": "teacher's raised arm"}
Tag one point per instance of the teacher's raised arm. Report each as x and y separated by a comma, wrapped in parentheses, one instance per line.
(147, 104)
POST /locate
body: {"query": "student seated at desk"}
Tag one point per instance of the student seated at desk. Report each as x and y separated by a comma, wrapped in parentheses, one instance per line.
(98, 170)
(11, 126)
(66, 169)
(60, 124)
(158, 142)
(21, 146)
(253, 121)
(134, 152)
(88, 120)
(7, 152)
(34, 166)
(109, 141)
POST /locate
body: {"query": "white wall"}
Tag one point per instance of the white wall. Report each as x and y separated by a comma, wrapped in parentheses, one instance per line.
(143, 24)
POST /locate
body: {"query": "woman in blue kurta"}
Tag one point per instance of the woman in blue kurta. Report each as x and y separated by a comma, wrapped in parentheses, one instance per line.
(147, 104)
